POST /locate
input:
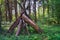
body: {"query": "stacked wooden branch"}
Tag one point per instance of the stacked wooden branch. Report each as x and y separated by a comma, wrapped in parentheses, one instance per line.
(27, 20)
(22, 20)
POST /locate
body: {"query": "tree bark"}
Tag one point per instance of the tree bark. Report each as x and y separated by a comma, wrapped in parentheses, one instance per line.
(14, 24)
(35, 10)
(15, 6)
(6, 10)
(10, 9)
(19, 28)
(32, 23)
(29, 21)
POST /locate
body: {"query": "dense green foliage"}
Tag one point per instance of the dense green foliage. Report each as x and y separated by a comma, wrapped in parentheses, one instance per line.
(51, 32)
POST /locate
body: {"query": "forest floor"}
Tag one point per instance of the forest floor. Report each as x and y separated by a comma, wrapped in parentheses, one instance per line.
(52, 32)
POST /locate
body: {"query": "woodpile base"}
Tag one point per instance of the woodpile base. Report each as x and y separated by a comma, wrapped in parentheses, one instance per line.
(21, 22)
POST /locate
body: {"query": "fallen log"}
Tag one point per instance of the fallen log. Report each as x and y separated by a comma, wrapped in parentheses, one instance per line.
(32, 23)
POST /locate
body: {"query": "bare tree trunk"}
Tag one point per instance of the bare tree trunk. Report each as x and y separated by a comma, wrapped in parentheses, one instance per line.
(10, 9)
(48, 8)
(29, 8)
(30, 22)
(15, 6)
(35, 10)
(6, 10)
(43, 8)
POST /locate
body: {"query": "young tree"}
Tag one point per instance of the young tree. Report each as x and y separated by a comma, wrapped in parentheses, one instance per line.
(15, 6)
(34, 7)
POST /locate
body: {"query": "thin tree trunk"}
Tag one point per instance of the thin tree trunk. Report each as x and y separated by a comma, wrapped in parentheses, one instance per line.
(48, 8)
(29, 8)
(15, 6)
(6, 10)
(43, 8)
(10, 9)
(35, 10)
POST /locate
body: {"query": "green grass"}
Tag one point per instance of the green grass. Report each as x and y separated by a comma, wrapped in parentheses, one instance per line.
(51, 32)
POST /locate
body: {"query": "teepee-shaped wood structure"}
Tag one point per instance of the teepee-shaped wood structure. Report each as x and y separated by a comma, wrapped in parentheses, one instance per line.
(22, 20)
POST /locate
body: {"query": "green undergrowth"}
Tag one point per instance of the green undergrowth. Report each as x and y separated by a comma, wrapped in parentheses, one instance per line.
(51, 32)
